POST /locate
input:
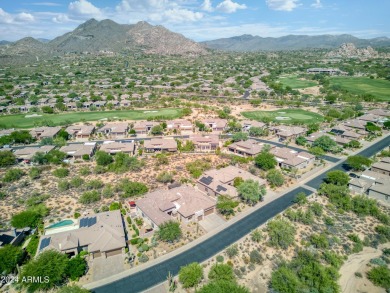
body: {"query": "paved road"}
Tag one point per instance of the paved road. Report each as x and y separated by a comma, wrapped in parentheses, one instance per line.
(156, 274)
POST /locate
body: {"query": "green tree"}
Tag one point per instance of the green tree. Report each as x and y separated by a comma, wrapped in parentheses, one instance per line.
(56, 157)
(10, 257)
(380, 276)
(285, 280)
(221, 272)
(251, 191)
(281, 233)
(130, 188)
(63, 134)
(169, 231)
(28, 218)
(90, 197)
(191, 275)
(76, 268)
(256, 235)
(301, 199)
(265, 161)
(34, 173)
(7, 158)
(325, 143)
(22, 136)
(226, 205)
(50, 266)
(358, 163)
(239, 136)
(223, 287)
(124, 163)
(275, 178)
(300, 140)
(157, 130)
(103, 159)
(258, 131)
(317, 152)
(337, 177)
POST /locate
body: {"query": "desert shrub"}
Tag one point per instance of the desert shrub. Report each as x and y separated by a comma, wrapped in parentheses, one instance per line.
(61, 172)
(89, 197)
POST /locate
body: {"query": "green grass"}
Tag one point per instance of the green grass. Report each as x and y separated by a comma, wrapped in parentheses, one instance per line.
(295, 116)
(20, 120)
(295, 82)
(379, 88)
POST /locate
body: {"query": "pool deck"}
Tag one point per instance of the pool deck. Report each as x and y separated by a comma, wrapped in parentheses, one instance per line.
(74, 226)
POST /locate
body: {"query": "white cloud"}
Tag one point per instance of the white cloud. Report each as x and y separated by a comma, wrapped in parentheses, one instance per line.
(46, 4)
(176, 15)
(228, 6)
(317, 4)
(83, 8)
(61, 18)
(207, 6)
(145, 5)
(23, 17)
(282, 5)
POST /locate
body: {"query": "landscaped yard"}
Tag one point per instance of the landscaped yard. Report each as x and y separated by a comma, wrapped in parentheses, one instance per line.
(295, 82)
(285, 116)
(379, 88)
(24, 121)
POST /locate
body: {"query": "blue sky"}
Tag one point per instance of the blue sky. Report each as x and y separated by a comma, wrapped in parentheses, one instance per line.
(200, 19)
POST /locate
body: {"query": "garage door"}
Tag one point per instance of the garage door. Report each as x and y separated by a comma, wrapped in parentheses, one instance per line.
(114, 252)
(209, 212)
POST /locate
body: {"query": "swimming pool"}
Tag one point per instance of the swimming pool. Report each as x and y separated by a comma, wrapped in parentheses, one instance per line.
(61, 224)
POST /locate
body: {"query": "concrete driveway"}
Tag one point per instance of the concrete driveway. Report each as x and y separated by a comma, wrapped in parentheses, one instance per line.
(211, 222)
(103, 267)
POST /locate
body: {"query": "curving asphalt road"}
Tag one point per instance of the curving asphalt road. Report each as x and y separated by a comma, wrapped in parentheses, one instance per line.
(156, 274)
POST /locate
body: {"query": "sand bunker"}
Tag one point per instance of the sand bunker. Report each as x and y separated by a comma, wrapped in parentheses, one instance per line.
(32, 116)
(150, 111)
(282, 118)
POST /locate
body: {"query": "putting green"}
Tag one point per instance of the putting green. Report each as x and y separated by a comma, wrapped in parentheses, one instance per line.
(295, 82)
(285, 116)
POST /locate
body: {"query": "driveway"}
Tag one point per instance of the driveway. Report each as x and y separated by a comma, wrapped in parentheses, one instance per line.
(102, 267)
(211, 222)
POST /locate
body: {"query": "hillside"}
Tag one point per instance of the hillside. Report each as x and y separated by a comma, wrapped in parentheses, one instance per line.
(249, 43)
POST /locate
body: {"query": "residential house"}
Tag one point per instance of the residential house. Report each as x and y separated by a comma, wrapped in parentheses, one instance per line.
(247, 124)
(360, 185)
(44, 132)
(78, 150)
(288, 158)
(114, 129)
(144, 127)
(181, 125)
(220, 182)
(205, 143)
(285, 132)
(27, 153)
(380, 112)
(112, 147)
(102, 235)
(381, 167)
(184, 203)
(160, 145)
(380, 192)
(215, 124)
(13, 236)
(247, 148)
(80, 131)
(356, 123)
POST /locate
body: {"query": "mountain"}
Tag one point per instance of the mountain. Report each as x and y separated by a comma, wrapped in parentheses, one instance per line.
(249, 43)
(4, 42)
(26, 47)
(107, 35)
(43, 40)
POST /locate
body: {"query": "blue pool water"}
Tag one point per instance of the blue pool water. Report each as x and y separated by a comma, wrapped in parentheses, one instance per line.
(61, 224)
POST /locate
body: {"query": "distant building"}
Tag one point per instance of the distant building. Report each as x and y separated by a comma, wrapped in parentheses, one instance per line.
(247, 148)
(285, 132)
(205, 143)
(114, 130)
(80, 131)
(144, 127)
(44, 132)
(27, 153)
(329, 71)
(160, 145)
(78, 150)
(215, 124)
(113, 147)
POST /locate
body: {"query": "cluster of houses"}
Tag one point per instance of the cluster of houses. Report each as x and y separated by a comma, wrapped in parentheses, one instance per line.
(187, 203)
(374, 182)
(352, 129)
